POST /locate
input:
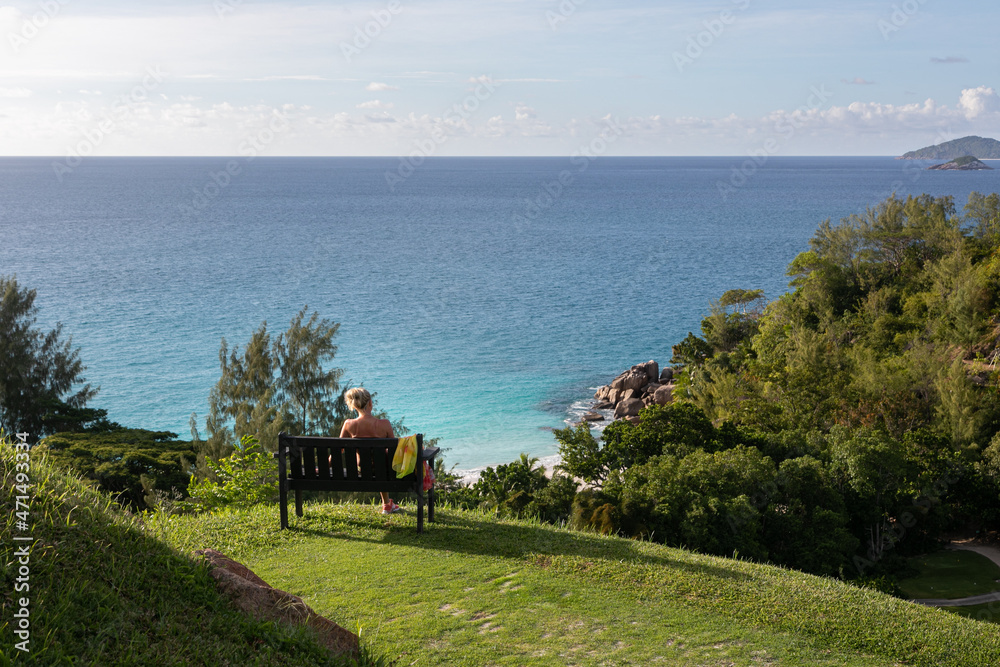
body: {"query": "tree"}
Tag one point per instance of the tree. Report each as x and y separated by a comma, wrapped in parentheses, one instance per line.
(271, 385)
(40, 373)
(309, 390)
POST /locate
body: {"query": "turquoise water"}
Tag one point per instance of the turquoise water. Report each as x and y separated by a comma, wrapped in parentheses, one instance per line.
(477, 304)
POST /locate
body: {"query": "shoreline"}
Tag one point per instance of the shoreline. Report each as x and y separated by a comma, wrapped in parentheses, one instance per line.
(631, 390)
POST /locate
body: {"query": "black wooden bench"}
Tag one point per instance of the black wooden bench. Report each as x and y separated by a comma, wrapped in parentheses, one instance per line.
(311, 463)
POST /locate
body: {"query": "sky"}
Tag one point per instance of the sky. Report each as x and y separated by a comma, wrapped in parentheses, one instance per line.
(495, 77)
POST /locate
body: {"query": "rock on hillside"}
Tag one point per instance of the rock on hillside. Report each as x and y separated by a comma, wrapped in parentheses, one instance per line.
(257, 598)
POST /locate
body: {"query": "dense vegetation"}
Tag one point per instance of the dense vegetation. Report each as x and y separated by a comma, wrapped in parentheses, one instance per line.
(134, 465)
(982, 148)
(850, 422)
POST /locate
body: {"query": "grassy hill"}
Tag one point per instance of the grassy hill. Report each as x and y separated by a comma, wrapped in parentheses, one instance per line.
(104, 592)
(472, 590)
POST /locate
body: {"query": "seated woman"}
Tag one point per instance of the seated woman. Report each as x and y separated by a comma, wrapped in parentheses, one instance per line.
(367, 425)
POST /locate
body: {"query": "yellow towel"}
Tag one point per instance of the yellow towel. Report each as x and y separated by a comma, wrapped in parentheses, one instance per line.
(404, 461)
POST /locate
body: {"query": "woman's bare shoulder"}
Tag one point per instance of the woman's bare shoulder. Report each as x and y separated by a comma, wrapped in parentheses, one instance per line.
(385, 426)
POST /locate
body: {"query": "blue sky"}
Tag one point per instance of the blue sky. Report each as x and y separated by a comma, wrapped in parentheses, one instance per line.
(495, 77)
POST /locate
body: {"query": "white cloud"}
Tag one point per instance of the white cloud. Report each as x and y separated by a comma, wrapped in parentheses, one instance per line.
(976, 102)
(190, 126)
(14, 92)
(376, 87)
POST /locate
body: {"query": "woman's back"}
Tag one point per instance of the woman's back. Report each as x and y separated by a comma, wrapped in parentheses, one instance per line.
(367, 426)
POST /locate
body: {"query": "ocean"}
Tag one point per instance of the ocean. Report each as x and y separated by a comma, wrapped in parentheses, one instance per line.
(483, 299)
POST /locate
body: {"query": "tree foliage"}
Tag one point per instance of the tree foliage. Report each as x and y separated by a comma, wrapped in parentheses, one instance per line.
(248, 476)
(284, 383)
(127, 463)
(42, 389)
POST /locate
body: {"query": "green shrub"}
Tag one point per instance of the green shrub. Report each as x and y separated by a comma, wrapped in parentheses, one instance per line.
(120, 461)
(249, 476)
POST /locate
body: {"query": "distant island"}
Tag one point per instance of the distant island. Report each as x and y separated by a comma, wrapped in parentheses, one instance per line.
(964, 163)
(982, 147)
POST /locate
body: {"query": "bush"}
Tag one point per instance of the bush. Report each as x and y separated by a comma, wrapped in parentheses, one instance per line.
(247, 477)
(120, 461)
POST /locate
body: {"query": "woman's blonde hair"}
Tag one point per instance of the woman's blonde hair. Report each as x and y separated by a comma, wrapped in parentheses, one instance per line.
(358, 398)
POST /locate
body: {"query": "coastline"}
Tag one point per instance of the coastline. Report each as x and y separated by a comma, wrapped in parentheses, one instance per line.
(631, 390)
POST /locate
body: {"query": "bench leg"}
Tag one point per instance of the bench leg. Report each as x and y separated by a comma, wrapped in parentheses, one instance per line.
(430, 505)
(283, 505)
(298, 502)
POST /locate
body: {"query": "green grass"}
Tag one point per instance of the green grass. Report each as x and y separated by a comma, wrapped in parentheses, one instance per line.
(472, 590)
(950, 575)
(476, 590)
(103, 591)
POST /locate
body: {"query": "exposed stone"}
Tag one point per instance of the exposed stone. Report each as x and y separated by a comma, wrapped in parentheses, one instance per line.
(603, 405)
(631, 393)
(593, 417)
(630, 379)
(664, 394)
(666, 375)
(255, 597)
(628, 408)
(650, 388)
(651, 369)
(633, 418)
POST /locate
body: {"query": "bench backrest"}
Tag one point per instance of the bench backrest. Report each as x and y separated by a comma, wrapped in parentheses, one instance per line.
(343, 459)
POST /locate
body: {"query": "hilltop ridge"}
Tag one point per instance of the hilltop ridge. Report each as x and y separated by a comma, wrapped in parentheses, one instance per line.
(983, 148)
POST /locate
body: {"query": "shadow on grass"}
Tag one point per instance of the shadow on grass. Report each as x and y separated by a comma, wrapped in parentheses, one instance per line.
(467, 533)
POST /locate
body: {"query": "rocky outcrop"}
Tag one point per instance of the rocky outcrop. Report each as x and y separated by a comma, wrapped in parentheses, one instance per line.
(256, 597)
(640, 386)
(965, 163)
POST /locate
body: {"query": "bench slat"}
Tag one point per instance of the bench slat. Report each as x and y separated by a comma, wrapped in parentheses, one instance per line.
(309, 463)
(351, 463)
(365, 458)
(323, 462)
